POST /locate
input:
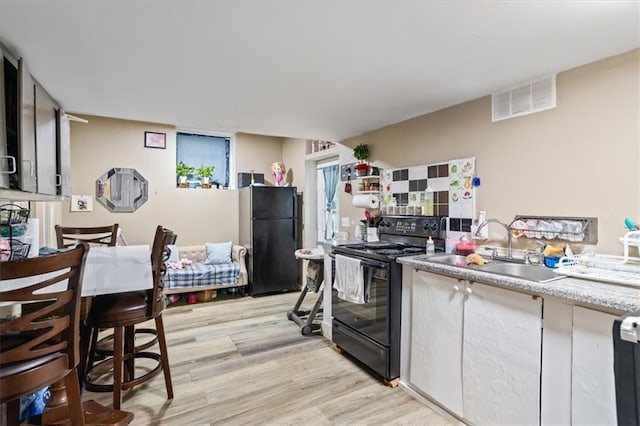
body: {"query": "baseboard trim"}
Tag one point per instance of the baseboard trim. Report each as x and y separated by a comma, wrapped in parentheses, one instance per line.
(431, 404)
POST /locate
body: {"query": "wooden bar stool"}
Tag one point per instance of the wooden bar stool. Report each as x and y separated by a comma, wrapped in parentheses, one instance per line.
(101, 236)
(40, 347)
(123, 312)
(94, 235)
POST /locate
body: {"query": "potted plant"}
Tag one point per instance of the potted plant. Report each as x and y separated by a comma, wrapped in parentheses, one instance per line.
(361, 153)
(182, 170)
(205, 173)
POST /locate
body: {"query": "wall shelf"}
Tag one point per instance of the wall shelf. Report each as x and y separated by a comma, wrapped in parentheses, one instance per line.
(322, 154)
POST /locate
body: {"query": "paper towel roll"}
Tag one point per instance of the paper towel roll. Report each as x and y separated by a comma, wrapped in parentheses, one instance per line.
(367, 201)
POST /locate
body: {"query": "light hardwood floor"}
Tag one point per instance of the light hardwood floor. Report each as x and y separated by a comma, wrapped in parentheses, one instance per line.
(240, 361)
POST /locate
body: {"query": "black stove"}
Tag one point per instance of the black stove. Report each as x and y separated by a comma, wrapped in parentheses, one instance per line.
(370, 331)
(399, 236)
(383, 253)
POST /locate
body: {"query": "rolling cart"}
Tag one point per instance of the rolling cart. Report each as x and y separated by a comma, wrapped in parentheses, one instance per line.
(315, 276)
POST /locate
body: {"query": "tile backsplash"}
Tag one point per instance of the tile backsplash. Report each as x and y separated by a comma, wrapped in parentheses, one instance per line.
(452, 185)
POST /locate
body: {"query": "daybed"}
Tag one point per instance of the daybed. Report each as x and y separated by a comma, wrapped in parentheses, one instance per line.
(200, 276)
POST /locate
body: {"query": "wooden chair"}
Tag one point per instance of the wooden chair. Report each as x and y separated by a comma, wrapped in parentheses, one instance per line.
(40, 347)
(96, 235)
(123, 312)
(104, 236)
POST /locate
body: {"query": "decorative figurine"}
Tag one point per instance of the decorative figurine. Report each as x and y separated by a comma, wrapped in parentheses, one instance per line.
(279, 172)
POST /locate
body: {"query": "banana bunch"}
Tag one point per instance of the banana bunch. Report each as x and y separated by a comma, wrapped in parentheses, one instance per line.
(553, 251)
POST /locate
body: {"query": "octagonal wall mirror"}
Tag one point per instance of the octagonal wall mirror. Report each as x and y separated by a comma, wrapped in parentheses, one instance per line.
(122, 190)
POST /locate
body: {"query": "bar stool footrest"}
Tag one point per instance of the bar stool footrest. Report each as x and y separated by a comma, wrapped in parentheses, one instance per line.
(96, 387)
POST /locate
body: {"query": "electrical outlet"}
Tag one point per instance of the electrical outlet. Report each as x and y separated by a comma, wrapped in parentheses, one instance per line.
(344, 222)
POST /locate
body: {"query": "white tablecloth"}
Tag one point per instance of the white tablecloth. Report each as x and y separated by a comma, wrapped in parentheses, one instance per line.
(107, 270)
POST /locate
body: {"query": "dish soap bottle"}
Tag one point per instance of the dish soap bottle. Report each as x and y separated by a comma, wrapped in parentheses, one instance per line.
(431, 247)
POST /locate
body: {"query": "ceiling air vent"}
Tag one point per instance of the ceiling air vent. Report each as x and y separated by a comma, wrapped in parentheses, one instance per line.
(539, 95)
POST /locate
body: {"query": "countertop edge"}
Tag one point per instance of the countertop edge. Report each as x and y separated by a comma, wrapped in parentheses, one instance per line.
(597, 294)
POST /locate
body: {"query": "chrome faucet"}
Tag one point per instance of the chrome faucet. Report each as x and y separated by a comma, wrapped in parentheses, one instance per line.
(505, 226)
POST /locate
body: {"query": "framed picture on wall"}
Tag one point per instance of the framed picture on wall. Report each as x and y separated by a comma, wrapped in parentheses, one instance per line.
(81, 203)
(155, 140)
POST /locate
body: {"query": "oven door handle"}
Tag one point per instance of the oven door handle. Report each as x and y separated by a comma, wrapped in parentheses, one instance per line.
(367, 262)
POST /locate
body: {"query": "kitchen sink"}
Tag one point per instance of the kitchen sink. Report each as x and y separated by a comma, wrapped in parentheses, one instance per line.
(535, 273)
(528, 272)
(448, 259)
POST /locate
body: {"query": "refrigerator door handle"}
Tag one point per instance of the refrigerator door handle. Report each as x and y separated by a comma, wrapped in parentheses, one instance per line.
(295, 216)
(295, 229)
(295, 205)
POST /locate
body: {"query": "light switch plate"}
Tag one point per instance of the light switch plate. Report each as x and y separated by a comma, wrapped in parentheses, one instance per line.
(344, 222)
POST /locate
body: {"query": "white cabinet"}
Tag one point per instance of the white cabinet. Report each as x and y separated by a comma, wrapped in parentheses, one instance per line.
(501, 361)
(64, 154)
(436, 339)
(7, 162)
(578, 383)
(555, 402)
(27, 136)
(480, 351)
(46, 142)
(34, 137)
(593, 398)
(475, 349)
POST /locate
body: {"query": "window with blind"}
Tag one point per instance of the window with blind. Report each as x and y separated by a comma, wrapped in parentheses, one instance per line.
(198, 150)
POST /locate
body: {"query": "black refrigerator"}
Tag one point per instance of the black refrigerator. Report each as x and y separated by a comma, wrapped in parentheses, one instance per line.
(270, 230)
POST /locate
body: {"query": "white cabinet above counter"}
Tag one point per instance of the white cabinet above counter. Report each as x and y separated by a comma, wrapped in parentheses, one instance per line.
(34, 137)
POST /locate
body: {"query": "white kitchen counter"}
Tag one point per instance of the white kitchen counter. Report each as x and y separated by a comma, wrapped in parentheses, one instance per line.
(607, 297)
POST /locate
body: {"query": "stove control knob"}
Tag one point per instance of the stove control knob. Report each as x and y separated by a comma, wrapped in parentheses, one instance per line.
(434, 226)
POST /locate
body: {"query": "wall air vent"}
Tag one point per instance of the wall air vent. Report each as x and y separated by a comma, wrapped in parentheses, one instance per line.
(539, 95)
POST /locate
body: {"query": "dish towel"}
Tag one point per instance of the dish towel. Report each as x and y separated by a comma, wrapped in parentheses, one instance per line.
(349, 279)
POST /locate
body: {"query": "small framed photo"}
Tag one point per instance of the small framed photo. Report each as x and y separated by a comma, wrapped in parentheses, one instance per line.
(155, 140)
(81, 203)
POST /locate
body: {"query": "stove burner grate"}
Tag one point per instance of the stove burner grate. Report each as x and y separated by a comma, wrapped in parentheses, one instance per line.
(413, 250)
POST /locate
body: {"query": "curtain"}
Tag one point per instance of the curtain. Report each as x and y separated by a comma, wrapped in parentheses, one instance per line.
(330, 188)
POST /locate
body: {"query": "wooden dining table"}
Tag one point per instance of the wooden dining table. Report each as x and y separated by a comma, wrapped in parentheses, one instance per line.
(108, 270)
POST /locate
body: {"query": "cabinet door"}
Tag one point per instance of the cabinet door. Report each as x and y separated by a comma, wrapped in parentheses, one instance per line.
(593, 399)
(46, 142)
(6, 163)
(27, 151)
(64, 154)
(436, 338)
(555, 403)
(501, 356)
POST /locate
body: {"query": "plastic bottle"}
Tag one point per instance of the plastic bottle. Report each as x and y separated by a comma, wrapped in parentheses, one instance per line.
(431, 247)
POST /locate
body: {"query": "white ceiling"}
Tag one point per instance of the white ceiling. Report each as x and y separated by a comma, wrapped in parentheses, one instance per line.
(308, 69)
